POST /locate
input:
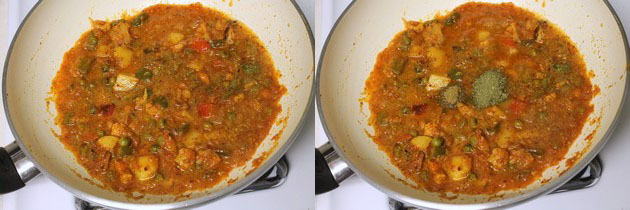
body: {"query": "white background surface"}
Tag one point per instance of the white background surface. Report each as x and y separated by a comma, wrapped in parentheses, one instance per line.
(610, 193)
(41, 193)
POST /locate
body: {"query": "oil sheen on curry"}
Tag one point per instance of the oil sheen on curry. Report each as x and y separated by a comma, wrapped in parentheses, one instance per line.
(480, 100)
(167, 101)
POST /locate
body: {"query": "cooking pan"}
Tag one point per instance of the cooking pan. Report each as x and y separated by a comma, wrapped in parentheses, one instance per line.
(366, 27)
(52, 27)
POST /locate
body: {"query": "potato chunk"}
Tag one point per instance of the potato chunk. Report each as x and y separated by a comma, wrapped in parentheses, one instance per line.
(123, 55)
(432, 129)
(521, 159)
(185, 158)
(458, 167)
(108, 142)
(192, 138)
(118, 129)
(207, 159)
(483, 35)
(421, 142)
(120, 34)
(123, 172)
(175, 37)
(437, 82)
(498, 158)
(144, 167)
(505, 136)
(437, 55)
(125, 82)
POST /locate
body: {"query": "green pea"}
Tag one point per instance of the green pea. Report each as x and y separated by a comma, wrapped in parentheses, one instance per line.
(144, 74)
(155, 148)
(105, 68)
(92, 110)
(406, 110)
(162, 123)
(413, 133)
(424, 175)
(231, 115)
(124, 141)
(456, 74)
(100, 133)
(207, 125)
(147, 137)
(162, 101)
(437, 141)
(159, 177)
(468, 148)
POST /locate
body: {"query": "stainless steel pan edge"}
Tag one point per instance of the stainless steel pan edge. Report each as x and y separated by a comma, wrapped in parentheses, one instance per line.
(545, 189)
(232, 189)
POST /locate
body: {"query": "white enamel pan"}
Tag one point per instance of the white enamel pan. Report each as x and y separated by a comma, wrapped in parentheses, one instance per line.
(365, 29)
(52, 27)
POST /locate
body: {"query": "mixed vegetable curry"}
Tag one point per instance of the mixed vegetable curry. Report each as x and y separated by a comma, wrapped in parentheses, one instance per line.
(166, 101)
(480, 100)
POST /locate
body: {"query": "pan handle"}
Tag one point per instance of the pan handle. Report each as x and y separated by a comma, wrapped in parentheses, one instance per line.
(330, 170)
(15, 168)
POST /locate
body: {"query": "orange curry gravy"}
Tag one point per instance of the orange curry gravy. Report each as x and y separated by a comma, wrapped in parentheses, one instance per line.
(167, 101)
(481, 100)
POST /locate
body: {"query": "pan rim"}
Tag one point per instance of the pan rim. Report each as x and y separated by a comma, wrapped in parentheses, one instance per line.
(236, 187)
(513, 201)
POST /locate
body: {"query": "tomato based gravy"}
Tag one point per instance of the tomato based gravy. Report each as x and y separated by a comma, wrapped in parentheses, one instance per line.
(480, 100)
(167, 101)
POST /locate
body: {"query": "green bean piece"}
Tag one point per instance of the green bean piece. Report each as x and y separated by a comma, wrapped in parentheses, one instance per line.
(139, 20)
(413, 133)
(162, 123)
(91, 42)
(456, 74)
(405, 42)
(438, 151)
(124, 151)
(398, 65)
(160, 140)
(473, 140)
(452, 19)
(84, 64)
(250, 68)
(100, 133)
(561, 67)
